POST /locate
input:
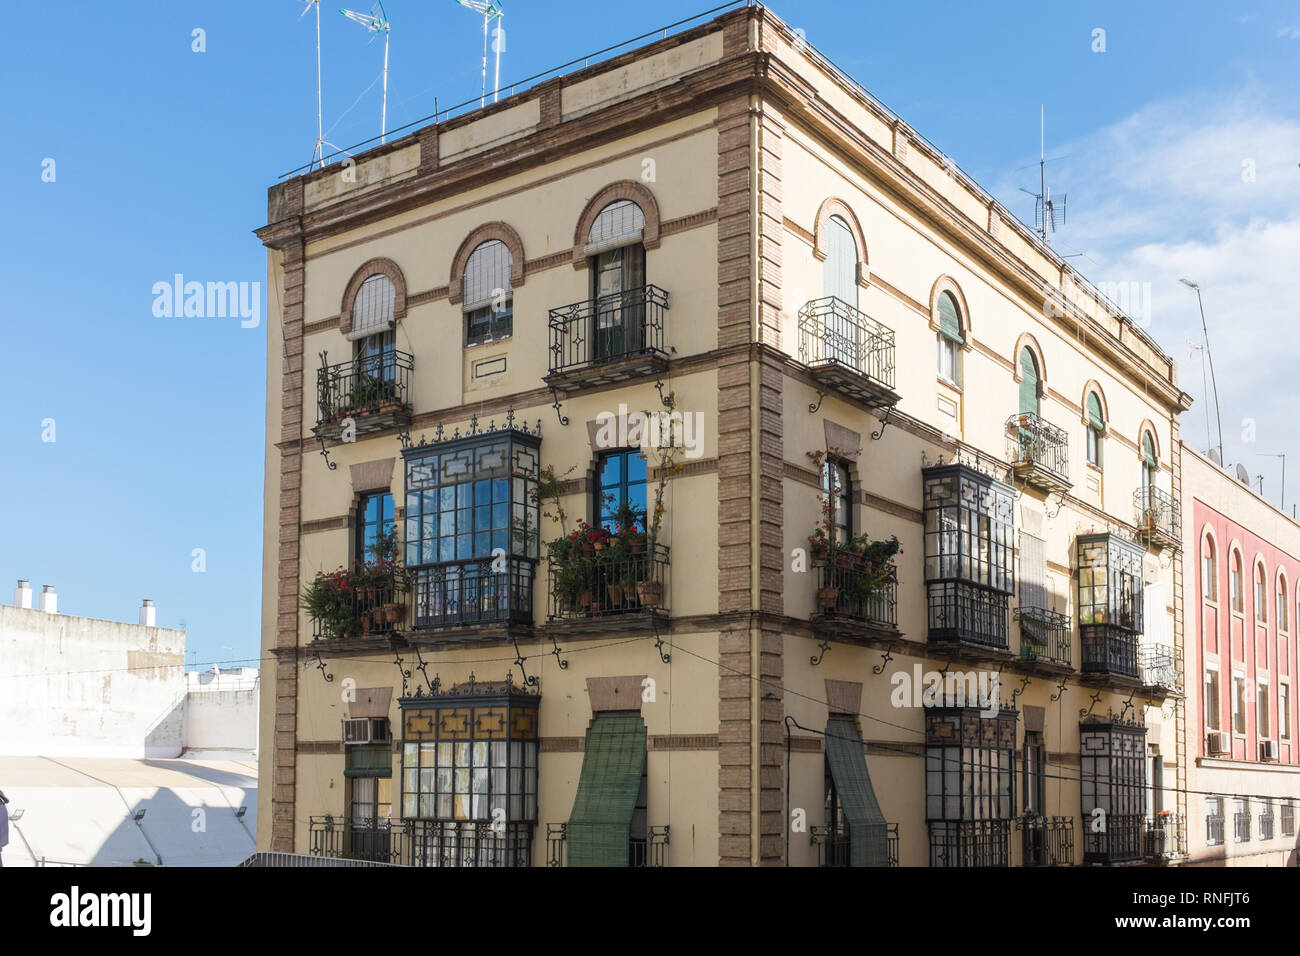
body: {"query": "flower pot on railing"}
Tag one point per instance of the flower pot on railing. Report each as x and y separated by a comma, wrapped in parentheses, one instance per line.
(394, 612)
(650, 593)
(827, 597)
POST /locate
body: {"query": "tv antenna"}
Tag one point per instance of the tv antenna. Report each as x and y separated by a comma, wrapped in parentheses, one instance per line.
(376, 22)
(1049, 213)
(489, 9)
(1283, 457)
(317, 156)
(1205, 332)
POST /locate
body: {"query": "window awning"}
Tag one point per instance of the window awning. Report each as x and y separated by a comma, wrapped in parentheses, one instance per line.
(369, 760)
(612, 766)
(374, 308)
(868, 837)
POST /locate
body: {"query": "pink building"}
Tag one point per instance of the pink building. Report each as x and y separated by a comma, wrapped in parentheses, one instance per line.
(1241, 602)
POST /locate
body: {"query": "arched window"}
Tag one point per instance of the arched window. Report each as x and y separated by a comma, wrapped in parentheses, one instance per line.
(1235, 583)
(1283, 621)
(488, 297)
(372, 329)
(1261, 594)
(618, 280)
(1209, 570)
(949, 338)
(838, 491)
(1028, 382)
(1149, 465)
(840, 270)
(1096, 426)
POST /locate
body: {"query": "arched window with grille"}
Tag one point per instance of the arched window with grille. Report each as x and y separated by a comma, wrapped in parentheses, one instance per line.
(488, 302)
(372, 328)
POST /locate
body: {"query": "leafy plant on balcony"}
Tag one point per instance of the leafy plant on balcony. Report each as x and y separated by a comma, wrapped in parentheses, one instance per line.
(369, 391)
(350, 601)
(868, 564)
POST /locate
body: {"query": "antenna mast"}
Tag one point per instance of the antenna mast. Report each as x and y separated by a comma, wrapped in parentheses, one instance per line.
(317, 156)
(376, 22)
(1045, 208)
(489, 9)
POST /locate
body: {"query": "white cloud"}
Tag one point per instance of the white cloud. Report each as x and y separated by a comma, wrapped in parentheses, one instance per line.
(1208, 189)
(1289, 33)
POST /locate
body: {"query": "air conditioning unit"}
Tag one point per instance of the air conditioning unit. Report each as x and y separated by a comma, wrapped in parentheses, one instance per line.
(366, 730)
(1216, 742)
(1268, 750)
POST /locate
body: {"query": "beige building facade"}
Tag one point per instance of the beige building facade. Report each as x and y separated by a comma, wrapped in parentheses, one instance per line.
(471, 327)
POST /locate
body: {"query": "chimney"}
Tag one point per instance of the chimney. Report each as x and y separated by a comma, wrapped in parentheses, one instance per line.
(148, 614)
(49, 600)
(23, 594)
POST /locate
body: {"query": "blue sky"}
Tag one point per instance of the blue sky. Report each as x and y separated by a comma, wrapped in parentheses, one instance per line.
(162, 157)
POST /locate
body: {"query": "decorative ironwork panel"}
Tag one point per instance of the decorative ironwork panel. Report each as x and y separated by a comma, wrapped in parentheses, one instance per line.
(970, 843)
(859, 593)
(609, 584)
(607, 329)
(1046, 841)
(1112, 788)
(376, 383)
(1033, 442)
(1157, 512)
(833, 845)
(1044, 636)
(970, 763)
(832, 331)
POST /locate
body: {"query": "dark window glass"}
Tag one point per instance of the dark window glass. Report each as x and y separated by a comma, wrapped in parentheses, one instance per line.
(622, 479)
(374, 516)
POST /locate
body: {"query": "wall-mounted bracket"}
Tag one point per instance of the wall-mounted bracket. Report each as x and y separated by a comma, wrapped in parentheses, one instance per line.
(876, 435)
(555, 394)
(814, 407)
(325, 453)
(885, 658)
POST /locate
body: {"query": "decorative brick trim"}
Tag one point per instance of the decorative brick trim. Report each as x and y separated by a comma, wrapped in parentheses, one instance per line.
(488, 231)
(338, 523)
(683, 742)
(625, 189)
(378, 266)
(686, 223)
(834, 206)
(324, 325)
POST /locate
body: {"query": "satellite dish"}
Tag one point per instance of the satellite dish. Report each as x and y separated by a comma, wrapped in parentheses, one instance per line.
(1243, 475)
(1214, 457)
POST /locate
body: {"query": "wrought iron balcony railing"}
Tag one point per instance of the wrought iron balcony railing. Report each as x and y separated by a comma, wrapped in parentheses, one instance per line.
(1164, 837)
(648, 850)
(1214, 829)
(847, 589)
(609, 583)
(834, 847)
(473, 593)
(1110, 650)
(1158, 516)
(970, 842)
(371, 390)
(610, 338)
(961, 613)
(369, 612)
(421, 842)
(1046, 841)
(1044, 636)
(355, 838)
(1241, 827)
(848, 350)
(1039, 452)
(1161, 668)
(1119, 842)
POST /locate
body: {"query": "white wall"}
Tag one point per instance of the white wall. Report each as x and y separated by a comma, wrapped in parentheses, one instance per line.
(81, 686)
(221, 720)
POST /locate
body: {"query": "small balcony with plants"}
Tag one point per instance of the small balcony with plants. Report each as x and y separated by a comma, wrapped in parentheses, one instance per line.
(362, 603)
(611, 338)
(371, 392)
(1158, 517)
(857, 585)
(608, 576)
(1044, 639)
(1039, 453)
(848, 352)
(1162, 672)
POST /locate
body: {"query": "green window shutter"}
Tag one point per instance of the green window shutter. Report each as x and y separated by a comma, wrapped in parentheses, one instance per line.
(1148, 451)
(369, 760)
(949, 319)
(840, 270)
(1028, 382)
(868, 832)
(612, 765)
(1094, 412)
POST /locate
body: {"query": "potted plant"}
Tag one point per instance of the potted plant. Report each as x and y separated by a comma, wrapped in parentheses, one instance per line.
(828, 596)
